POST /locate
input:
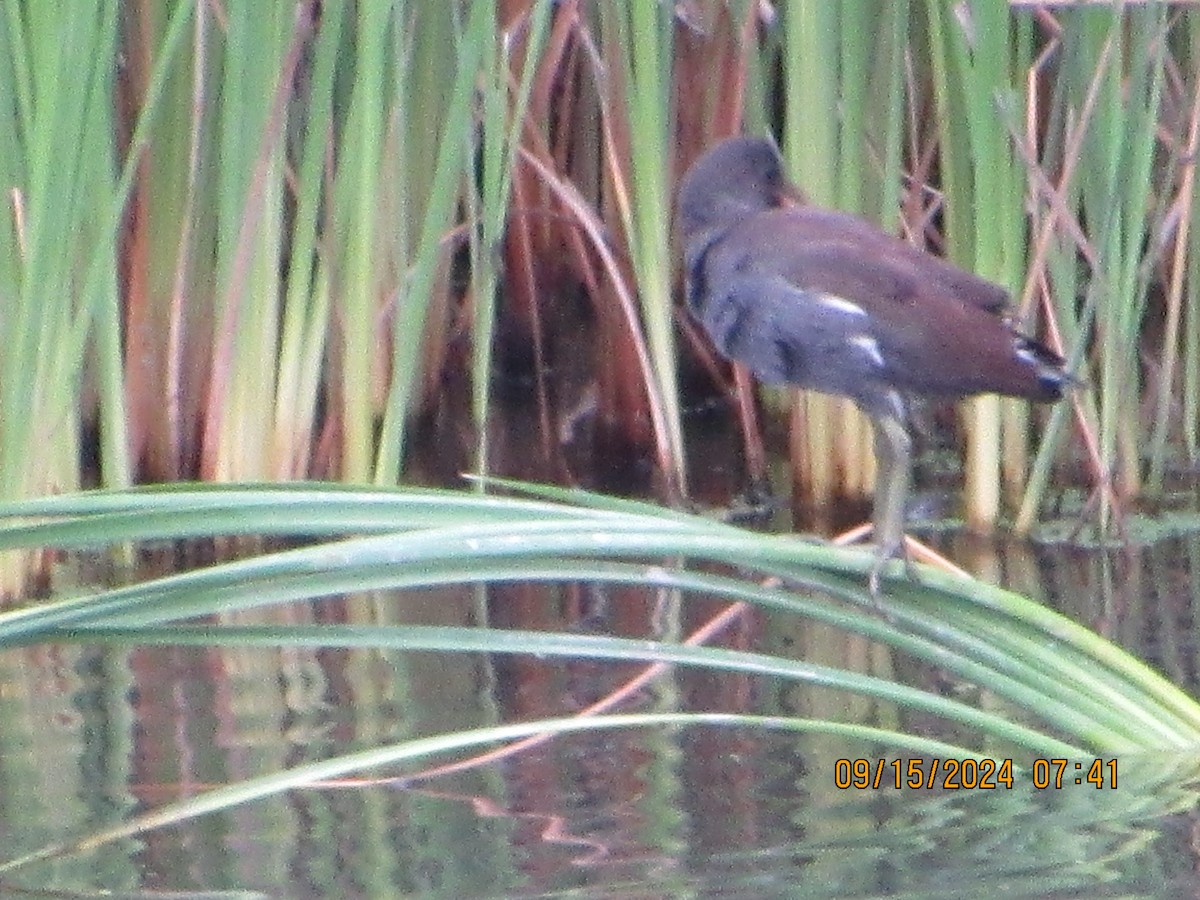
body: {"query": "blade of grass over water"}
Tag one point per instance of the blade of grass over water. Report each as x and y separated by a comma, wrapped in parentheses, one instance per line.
(590, 647)
(438, 538)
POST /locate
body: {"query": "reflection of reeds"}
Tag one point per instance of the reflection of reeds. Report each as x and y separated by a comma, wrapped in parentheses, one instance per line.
(257, 282)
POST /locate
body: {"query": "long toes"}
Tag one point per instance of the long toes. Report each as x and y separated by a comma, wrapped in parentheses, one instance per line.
(884, 555)
(873, 582)
(875, 579)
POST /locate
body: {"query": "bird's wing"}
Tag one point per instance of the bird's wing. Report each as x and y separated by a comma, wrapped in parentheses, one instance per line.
(843, 245)
(784, 334)
(931, 341)
(895, 324)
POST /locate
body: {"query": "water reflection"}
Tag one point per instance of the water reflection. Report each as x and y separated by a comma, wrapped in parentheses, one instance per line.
(91, 735)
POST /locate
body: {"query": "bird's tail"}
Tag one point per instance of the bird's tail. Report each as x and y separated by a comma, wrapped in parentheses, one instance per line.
(1049, 369)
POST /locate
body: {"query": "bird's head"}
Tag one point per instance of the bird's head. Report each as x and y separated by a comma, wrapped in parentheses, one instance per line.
(736, 178)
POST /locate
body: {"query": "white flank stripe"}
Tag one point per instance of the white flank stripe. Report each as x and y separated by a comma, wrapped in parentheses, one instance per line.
(870, 346)
(840, 303)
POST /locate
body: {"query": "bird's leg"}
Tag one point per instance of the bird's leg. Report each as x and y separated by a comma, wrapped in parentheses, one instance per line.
(893, 455)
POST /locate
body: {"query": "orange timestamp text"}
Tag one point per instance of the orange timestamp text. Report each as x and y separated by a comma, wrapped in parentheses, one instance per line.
(972, 774)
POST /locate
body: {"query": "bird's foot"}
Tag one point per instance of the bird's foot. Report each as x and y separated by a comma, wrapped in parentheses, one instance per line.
(885, 554)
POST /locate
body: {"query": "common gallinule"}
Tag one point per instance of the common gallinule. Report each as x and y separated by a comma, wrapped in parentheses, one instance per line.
(824, 300)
